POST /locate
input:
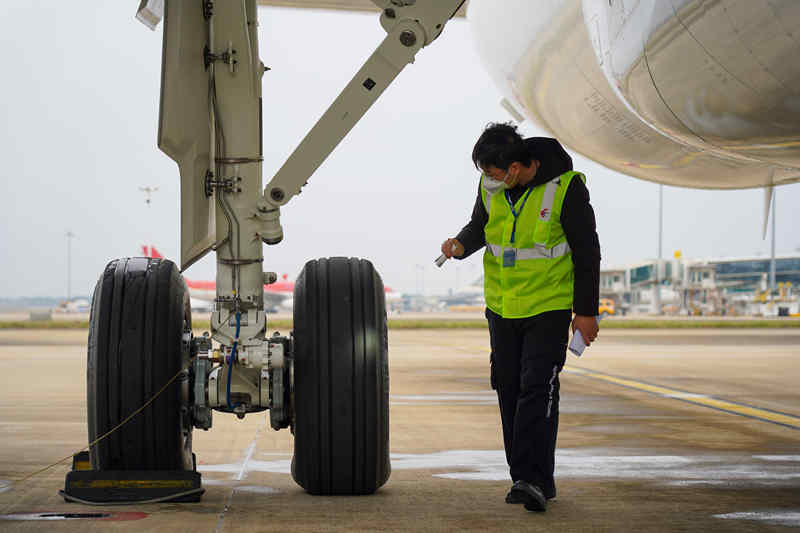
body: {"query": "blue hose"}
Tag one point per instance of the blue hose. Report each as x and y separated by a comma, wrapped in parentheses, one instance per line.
(231, 361)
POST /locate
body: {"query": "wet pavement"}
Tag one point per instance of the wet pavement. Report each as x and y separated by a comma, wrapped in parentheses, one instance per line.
(660, 431)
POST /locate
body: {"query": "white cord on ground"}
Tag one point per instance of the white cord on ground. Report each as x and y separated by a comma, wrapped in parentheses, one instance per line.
(162, 499)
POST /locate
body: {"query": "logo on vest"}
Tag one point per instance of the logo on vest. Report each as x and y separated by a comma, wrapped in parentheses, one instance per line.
(544, 214)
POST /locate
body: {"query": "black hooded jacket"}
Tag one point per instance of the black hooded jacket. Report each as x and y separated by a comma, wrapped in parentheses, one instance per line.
(577, 219)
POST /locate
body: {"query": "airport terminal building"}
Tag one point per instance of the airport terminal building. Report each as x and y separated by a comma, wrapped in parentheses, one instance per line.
(726, 286)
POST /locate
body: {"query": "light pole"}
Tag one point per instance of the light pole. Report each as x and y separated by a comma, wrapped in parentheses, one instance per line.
(148, 194)
(69, 235)
(772, 260)
(657, 288)
(148, 198)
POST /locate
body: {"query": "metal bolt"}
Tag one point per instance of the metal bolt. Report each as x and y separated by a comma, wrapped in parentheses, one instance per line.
(408, 38)
(277, 194)
(390, 13)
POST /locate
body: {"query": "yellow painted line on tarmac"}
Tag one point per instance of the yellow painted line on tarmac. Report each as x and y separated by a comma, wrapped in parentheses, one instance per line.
(749, 411)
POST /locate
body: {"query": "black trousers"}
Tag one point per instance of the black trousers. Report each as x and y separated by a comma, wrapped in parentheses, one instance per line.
(527, 355)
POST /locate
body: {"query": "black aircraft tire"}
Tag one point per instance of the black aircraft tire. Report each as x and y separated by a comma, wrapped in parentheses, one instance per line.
(139, 312)
(341, 378)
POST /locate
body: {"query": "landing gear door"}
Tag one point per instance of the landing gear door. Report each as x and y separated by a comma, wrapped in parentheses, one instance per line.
(183, 129)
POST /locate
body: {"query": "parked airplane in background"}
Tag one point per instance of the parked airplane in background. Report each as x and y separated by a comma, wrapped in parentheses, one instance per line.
(78, 305)
(278, 295)
(469, 296)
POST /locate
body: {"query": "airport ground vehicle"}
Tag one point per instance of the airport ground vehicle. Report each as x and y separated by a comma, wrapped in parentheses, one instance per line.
(606, 307)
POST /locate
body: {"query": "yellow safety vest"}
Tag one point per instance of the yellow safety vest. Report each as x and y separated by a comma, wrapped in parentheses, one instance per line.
(534, 273)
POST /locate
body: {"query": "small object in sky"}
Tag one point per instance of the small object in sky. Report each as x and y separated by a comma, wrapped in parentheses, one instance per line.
(577, 345)
(150, 13)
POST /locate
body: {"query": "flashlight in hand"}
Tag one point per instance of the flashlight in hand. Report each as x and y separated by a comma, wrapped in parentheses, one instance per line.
(443, 258)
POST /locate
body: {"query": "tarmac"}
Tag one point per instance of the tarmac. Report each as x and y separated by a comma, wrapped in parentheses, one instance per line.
(683, 430)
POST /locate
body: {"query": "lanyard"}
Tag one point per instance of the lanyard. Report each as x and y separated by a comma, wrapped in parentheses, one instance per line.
(513, 212)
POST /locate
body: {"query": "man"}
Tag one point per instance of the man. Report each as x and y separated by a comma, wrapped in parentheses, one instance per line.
(542, 261)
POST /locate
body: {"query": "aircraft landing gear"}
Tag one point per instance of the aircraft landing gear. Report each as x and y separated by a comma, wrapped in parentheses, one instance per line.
(140, 313)
(139, 340)
(341, 378)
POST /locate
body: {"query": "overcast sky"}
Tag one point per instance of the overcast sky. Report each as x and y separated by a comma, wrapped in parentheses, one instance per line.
(78, 137)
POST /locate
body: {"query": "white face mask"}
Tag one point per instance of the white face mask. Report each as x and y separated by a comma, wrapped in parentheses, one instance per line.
(501, 183)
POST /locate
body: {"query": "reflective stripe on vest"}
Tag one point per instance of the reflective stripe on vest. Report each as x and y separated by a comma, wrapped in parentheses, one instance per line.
(537, 252)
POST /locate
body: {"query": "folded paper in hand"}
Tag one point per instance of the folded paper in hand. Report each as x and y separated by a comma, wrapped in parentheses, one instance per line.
(577, 345)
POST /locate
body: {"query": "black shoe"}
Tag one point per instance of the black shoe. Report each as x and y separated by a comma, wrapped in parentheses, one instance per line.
(517, 496)
(529, 495)
(514, 496)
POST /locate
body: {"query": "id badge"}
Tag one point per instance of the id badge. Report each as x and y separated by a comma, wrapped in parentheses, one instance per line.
(509, 257)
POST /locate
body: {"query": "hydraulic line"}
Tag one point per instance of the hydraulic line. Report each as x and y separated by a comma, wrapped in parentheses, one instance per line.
(232, 215)
(232, 360)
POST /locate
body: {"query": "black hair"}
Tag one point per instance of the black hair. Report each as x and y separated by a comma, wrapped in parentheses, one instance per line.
(500, 145)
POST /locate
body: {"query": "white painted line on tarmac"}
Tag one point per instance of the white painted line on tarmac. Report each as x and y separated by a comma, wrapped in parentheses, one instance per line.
(694, 483)
(686, 396)
(217, 482)
(279, 466)
(795, 458)
(780, 518)
(585, 464)
(257, 489)
(249, 455)
(485, 402)
(5, 485)
(243, 469)
(676, 470)
(445, 398)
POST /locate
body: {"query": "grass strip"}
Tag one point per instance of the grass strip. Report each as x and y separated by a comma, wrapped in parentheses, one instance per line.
(44, 324)
(402, 323)
(754, 323)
